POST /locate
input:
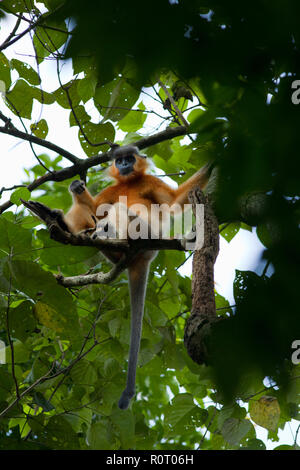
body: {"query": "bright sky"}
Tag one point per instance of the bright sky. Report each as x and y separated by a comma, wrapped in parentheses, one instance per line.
(243, 252)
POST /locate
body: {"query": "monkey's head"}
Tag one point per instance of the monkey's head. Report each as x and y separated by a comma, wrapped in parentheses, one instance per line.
(128, 163)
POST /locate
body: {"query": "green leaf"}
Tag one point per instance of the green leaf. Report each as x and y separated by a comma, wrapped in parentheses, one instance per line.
(41, 401)
(40, 129)
(21, 353)
(21, 99)
(26, 71)
(84, 373)
(56, 254)
(178, 414)
(46, 40)
(134, 120)
(4, 73)
(17, 6)
(195, 114)
(234, 430)
(115, 99)
(265, 412)
(43, 96)
(82, 116)
(125, 424)
(255, 444)
(54, 306)
(61, 96)
(96, 134)
(229, 231)
(20, 193)
(22, 321)
(56, 434)
(6, 384)
(86, 88)
(50, 317)
(14, 239)
(243, 280)
(98, 437)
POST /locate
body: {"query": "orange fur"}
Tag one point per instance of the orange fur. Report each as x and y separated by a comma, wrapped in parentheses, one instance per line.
(138, 187)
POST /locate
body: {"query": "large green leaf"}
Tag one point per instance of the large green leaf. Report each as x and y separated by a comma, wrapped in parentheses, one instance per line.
(56, 254)
(134, 120)
(98, 436)
(86, 88)
(22, 321)
(18, 194)
(46, 40)
(96, 134)
(234, 430)
(54, 308)
(26, 71)
(21, 99)
(265, 412)
(181, 414)
(17, 6)
(4, 73)
(125, 425)
(14, 239)
(115, 99)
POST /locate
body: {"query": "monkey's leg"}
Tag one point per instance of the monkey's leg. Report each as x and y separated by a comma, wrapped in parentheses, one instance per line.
(46, 214)
(138, 276)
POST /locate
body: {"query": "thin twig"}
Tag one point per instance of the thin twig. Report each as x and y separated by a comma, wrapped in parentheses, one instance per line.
(177, 110)
(11, 35)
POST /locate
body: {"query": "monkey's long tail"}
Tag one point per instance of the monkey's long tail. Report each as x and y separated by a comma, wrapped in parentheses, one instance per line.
(138, 276)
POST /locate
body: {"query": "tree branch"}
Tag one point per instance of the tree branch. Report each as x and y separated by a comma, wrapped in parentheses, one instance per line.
(203, 313)
(177, 110)
(80, 165)
(10, 129)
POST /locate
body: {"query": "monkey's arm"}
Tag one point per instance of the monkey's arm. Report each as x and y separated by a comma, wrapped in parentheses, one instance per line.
(200, 178)
(162, 193)
(82, 214)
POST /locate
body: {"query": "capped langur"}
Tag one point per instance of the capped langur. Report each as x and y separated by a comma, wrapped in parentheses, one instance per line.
(131, 180)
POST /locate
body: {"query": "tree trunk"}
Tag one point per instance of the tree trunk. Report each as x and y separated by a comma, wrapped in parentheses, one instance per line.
(203, 312)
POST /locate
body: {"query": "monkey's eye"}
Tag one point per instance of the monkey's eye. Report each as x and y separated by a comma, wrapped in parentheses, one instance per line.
(118, 161)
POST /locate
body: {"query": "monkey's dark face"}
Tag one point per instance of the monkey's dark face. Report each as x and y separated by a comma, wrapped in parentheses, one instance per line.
(125, 164)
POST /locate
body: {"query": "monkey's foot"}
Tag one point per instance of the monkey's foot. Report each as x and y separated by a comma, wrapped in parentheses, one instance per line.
(47, 215)
(77, 187)
(125, 399)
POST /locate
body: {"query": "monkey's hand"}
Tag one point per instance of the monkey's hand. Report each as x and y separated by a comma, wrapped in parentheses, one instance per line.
(77, 187)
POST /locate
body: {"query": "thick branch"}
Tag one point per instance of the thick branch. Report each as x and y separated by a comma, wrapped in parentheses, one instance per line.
(59, 232)
(203, 312)
(97, 278)
(169, 133)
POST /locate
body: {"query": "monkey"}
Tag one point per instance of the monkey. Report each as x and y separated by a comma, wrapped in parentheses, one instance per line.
(129, 171)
